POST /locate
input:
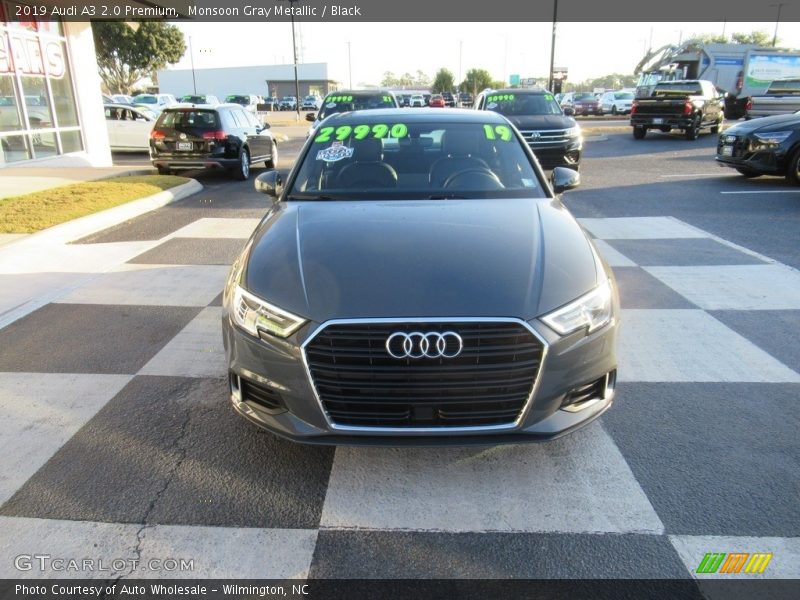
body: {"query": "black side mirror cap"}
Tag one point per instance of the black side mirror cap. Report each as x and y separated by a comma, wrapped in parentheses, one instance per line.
(569, 111)
(270, 183)
(563, 179)
(312, 116)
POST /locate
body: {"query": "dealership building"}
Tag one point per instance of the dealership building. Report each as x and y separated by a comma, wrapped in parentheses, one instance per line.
(51, 110)
(261, 80)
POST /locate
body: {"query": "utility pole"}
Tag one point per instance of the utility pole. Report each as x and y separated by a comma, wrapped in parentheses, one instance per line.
(553, 45)
(460, 54)
(294, 51)
(191, 59)
(349, 65)
(780, 5)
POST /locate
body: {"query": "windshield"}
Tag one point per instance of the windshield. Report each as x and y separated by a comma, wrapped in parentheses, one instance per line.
(187, 119)
(243, 100)
(145, 100)
(366, 158)
(194, 99)
(523, 104)
(787, 86)
(623, 96)
(678, 89)
(336, 103)
(584, 96)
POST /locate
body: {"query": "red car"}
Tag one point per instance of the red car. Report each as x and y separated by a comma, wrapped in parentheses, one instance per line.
(437, 101)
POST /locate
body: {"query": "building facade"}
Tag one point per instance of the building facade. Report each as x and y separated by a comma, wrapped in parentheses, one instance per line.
(260, 80)
(51, 110)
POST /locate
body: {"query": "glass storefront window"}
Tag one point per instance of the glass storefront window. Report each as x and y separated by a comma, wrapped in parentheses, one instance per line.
(38, 108)
(10, 119)
(13, 149)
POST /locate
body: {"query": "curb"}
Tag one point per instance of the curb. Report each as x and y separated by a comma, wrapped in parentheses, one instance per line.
(89, 224)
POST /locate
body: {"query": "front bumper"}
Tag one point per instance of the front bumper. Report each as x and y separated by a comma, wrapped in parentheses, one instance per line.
(745, 154)
(296, 413)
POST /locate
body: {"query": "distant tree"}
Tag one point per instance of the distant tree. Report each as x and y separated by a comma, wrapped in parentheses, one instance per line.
(476, 80)
(497, 84)
(762, 38)
(443, 82)
(406, 80)
(125, 56)
(389, 80)
(710, 38)
(421, 79)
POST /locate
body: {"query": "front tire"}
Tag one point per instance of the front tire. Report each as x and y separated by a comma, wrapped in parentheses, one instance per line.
(716, 128)
(242, 170)
(693, 131)
(164, 170)
(614, 110)
(272, 163)
(793, 170)
(639, 132)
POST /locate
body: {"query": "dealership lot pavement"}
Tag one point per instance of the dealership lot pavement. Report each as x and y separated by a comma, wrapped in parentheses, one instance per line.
(119, 437)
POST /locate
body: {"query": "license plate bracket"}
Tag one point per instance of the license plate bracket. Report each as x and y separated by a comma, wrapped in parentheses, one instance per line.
(727, 151)
(658, 121)
(184, 146)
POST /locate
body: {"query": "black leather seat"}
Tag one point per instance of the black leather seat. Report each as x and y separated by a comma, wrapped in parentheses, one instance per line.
(461, 149)
(368, 169)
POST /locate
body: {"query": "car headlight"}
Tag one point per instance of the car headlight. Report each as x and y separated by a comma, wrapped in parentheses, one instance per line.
(772, 137)
(254, 315)
(592, 310)
(573, 131)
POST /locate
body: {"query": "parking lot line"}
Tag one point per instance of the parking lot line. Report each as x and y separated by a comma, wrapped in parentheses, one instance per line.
(763, 192)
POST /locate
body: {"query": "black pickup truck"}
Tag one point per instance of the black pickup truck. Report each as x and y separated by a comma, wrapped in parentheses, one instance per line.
(689, 104)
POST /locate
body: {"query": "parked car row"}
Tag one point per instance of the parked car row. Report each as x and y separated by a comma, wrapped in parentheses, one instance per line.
(597, 103)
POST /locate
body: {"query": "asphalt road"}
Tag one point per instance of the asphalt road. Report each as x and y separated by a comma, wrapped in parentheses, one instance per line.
(698, 454)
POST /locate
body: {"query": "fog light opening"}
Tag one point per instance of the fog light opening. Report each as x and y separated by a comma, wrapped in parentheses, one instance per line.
(236, 386)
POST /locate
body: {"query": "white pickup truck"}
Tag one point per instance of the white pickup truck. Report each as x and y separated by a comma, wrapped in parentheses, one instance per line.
(782, 97)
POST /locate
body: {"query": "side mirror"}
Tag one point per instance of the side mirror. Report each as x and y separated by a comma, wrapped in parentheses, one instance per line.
(561, 180)
(270, 183)
(312, 116)
(265, 126)
(569, 111)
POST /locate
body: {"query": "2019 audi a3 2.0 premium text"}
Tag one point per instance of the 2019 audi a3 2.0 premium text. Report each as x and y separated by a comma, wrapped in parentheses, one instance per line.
(416, 281)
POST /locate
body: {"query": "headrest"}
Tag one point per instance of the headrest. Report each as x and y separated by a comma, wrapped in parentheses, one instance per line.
(368, 150)
(460, 143)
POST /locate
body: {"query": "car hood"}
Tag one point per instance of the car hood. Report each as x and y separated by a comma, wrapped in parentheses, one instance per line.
(542, 122)
(362, 259)
(765, 123)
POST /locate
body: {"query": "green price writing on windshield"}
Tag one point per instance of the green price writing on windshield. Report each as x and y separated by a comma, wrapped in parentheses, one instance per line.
(501, 132)
(340, 99)
(360, 132)
(500, 98)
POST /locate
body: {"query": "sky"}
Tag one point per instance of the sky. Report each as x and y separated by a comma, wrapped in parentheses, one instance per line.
(587, 49)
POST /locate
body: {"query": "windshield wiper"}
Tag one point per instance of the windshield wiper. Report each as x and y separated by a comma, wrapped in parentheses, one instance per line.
(446, 197)
(309, 197)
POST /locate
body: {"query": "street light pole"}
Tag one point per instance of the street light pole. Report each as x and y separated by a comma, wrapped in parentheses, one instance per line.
(460, 54)
(294, 51)
(191, 59)
(349, 66)
(780, 5)
(553, 45)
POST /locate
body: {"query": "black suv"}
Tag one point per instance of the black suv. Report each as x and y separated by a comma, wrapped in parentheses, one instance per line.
(223, 137)
(554, 138)
(449, 99)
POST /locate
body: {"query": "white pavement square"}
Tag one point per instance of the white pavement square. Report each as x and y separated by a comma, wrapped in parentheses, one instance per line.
(230, 552)
(40, 412)
(690, 345)
(196, 351)
(784, 564)
(740, 287)
(550, 487)
(640, 228)
(153, 285)
(218, 228)
(614, 257)
(114, 543)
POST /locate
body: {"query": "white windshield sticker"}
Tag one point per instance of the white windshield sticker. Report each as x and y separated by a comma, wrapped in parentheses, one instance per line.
(491, 105)
(330, 105)
(336, 152)
(528, 183)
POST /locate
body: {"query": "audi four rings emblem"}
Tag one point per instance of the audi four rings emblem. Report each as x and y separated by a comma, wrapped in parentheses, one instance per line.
(416, 344)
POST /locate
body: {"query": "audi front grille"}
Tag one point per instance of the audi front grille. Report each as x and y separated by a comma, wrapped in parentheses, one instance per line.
(360, 385)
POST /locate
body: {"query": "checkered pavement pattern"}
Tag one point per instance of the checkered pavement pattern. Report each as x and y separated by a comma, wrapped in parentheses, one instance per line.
(118, 435)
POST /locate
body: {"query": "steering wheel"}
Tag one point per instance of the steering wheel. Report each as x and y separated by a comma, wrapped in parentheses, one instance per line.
(473, 179)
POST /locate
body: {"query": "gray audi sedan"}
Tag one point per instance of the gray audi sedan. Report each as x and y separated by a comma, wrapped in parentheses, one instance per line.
(417, 281)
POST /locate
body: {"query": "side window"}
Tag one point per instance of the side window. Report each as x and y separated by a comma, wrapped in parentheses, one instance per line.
(251, 119)
(227, 120)
(238, 119)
